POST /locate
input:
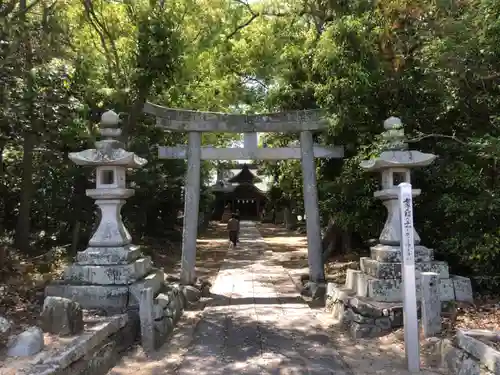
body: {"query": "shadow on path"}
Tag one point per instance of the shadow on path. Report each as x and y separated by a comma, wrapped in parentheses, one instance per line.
(255, 323)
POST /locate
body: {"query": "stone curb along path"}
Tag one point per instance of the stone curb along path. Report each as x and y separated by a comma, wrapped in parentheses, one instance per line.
(255, 323)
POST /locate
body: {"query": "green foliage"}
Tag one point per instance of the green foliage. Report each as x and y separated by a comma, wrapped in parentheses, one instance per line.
(434, 64)
(102, 55)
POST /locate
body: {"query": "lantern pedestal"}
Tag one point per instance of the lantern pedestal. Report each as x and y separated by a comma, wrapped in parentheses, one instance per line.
(371, 301)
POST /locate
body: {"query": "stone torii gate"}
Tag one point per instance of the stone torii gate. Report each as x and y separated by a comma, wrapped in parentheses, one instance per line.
(195, 123)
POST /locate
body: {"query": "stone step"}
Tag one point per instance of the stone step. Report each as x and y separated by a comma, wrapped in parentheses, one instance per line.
(122, 274)
(391, 290)
(392, 254)
(383, 270)
(108, 255)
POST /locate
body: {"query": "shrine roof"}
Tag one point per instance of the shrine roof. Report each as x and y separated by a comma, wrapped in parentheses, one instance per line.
(245, 176)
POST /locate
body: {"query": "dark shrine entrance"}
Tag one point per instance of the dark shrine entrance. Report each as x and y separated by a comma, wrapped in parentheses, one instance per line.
(239, 194)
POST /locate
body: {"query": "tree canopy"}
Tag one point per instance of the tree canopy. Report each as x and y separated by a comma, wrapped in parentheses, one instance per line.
(434, 64)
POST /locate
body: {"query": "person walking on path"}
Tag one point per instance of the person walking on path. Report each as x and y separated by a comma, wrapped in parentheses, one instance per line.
(233, 227)
(238, 218)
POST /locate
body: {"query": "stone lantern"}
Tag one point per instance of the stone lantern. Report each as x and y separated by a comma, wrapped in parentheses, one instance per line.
(380, 277)
(370, 303)
(395, 164)
(111, 268)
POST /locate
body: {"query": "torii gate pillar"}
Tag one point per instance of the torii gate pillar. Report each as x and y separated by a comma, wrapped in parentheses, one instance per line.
(191, 209)
(313, 225)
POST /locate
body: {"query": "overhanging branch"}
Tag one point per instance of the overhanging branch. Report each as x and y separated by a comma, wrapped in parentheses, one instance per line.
(434, 135)
(256, 14)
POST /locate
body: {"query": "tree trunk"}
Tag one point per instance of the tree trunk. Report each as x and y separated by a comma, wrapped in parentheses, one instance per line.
(3, 188)
(290, 221)
(23, 227)
(346, 242)
(78, 203)
(332, 240)
(3, 143)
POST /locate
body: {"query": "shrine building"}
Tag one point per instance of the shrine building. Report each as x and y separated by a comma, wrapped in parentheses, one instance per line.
(239, 193)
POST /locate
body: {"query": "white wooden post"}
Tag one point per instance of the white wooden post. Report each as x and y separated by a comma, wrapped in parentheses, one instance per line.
(411, 334)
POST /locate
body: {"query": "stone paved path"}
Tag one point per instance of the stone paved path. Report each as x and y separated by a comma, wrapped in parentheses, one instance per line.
(257, 323)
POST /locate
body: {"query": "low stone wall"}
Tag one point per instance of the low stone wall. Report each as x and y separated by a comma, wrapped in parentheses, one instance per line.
(159, 314)
(361, 316)
(93, 352)
(469, 353)
(366, 317)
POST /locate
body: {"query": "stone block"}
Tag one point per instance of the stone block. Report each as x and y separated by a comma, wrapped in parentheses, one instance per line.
(158, 310)
(359, 331)
(392, 254)
(62, 316)
(160, 331)
(191, 293)
(453, 360)
(124, 274)
(463, 289)
(345, 315)
(446, 290)
(351, 280)
(93, 352)
(438, 348)
(337, 310)
(430, 304)
(486, 354)
(169, 325)
(382, 270)
(99, 361)
(330, 289)
(342, 294)
(162, 300)
(177, 304)
(364, 307)
(390, 290)
(27, 343)
(108, 255)
(384, 323)
(469, 367)
(397, 318)
(361, 319)
(106, 297)
(5, 330)
(146, 315)
(204, 287)
(314, 290)
(362, 284)
(154, 280)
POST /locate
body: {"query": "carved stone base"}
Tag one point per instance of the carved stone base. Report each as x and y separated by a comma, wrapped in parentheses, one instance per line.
(392, 254)
(391, 290)
(385, 270)
(108, 255)
(118, 274)
(113, 298)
